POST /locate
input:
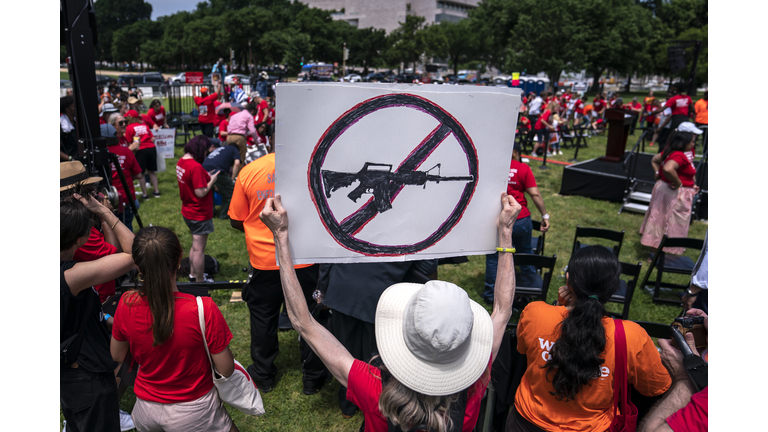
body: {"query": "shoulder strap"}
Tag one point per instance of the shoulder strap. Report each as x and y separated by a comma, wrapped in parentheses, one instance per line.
(201, 318)
(620, 393)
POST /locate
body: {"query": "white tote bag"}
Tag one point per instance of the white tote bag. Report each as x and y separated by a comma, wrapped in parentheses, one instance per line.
(238, 390)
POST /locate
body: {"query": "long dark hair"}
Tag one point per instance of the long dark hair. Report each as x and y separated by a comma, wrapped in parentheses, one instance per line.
(198, 148)
(157, 253)
(575, 357)
(677, 142)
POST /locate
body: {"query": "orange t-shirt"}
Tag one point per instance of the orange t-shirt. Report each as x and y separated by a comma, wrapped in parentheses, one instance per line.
(592, 409)
(588, 109)
(702, 111)
(255, 183)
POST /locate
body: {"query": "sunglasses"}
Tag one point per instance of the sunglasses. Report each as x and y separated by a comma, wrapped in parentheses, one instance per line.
(122, 123)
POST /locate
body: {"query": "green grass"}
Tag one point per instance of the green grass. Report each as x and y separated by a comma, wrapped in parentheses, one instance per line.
(287, 408)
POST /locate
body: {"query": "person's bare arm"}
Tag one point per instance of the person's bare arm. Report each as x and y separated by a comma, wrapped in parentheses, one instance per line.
(656, 163)
(333, 354)
(118, 349)
(224, 362)
(203, 191)
(505, 274)
(109, 234)
(63, 156)
(236, 168)
(535, 195)
(670, 172)
(89, 273)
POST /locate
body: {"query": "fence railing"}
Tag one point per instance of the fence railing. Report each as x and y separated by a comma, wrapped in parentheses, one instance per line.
(181, 98)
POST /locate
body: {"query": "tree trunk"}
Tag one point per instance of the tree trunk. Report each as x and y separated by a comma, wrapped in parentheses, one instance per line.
(554, 79)
(596, 73)
(456, 67)
(629, 83)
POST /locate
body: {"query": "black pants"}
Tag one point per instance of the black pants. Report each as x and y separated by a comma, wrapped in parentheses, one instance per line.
(207, 129)
(359, 338)
(264, 295)
(89, 401)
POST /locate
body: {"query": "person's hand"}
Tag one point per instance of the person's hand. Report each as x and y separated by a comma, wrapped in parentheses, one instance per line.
(564, 296)
(510, 210)
(688, 301)
(133, 146)
(699, 312)
(274, 216)
(544, 225)
(672, 358)
(696, 189)
(91, 204)
(656, 177)
(214, 175)
(105, 202)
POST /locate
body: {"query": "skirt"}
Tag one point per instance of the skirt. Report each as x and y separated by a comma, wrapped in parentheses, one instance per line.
(669, 212)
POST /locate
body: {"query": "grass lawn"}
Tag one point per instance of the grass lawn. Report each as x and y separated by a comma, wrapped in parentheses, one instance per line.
(287, 408)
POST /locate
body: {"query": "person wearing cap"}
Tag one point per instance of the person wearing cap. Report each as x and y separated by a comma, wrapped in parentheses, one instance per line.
(571, 350)
(156, 113)
(147, 152)
(669, 211)
(225, 160)
(133, 103)
(106, 110)
(206, 110)
(241, 127)
(261, 84)
(262, 107)
(436, 345)
(86, 362)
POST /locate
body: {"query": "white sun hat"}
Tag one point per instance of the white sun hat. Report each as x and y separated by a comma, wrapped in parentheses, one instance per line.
(432, 337)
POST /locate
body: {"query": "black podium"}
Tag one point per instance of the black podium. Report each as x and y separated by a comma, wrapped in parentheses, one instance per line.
(618, 131)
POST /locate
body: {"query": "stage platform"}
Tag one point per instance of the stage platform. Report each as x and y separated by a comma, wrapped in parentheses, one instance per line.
(605, 180)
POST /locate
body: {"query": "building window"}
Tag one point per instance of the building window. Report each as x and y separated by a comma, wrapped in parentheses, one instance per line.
(407, 7)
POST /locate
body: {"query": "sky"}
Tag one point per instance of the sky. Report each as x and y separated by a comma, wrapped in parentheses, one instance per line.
(168, 7)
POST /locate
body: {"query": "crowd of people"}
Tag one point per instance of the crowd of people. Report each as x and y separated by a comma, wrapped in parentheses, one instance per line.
(410, 352)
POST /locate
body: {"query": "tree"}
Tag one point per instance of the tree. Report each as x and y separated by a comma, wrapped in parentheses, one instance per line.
(545, 37)
(455, 41)
(407, 42)
(127, 39)
(366, 47)
(112, 15)
(494, 21)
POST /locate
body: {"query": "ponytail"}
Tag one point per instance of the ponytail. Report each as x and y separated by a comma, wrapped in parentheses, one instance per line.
(156, 252)
(593, 275)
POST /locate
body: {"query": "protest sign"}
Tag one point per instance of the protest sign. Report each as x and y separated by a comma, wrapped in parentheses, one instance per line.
(193, 77)
(165, 139)
(392, 172)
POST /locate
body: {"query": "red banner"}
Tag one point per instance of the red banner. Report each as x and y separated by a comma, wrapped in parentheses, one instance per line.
(193, 77)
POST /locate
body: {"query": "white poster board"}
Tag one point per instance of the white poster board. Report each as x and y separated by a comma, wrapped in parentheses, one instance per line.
(392, 172)
(165, 140)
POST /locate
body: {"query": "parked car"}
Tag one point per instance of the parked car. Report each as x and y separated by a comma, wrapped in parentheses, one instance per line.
(353, 78)
(180, 78)
(103, 80)
(244, 79)
(150, 78)
(65, 83)
(406, 78)
(377, 76)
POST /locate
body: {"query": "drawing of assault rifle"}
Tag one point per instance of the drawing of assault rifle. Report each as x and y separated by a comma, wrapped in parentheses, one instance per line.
(377, 179)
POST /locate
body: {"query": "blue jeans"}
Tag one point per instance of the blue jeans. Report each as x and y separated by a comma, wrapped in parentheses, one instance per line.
(127, 215)
(521, 240)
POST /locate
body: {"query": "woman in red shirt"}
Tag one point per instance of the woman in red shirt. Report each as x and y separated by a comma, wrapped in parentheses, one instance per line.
(195, 185)
(157, 113)
(146, 155)
(160, 326)
(669, 211)
(544, 124)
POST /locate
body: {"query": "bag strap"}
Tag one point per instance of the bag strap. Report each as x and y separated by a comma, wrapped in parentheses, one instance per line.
(620, 391)
(201, 318)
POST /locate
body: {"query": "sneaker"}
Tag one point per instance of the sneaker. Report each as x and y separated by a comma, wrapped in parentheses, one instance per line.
(560, 152)
(549, 154)
(207, 279)
(146, 197)
(65, 426)
(156, 194)
(126, 422)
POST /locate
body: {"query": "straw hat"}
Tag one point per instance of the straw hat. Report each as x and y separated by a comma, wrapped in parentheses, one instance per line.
(73, 172)
(133, 100)
(432, 337)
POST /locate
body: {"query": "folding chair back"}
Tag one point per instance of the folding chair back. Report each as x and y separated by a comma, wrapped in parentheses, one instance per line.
(600, 233)
(674, 264)
(537, 243)
(626, 289)
(655, 329)
(541, 283)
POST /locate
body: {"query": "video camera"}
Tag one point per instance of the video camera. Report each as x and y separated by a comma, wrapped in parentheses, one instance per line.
(691, 324)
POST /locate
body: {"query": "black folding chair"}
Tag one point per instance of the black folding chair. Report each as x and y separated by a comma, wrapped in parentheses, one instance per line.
(675, 264)
(600, 233)
(626, 290)
(533, 284)
(568, 135)
(537, 243)
(655, 329)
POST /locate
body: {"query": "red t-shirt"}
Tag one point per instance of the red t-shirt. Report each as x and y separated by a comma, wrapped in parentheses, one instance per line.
(101, 121)
(130, 168)
(206, 108)
(148, 121)
(217, 118)
(679, 104)
(598, 104)
(179, 369)
(96, 247)
(692, 417)
(567, 96)
(544, 116)
(526, 122)
(143, 132)
(520, 179)
(223, 128)
(686, 171)
(193, 176)
(260, 111)
(271, 118)
(157, 116)
(578, 106)
(635, 105)
(364, 389)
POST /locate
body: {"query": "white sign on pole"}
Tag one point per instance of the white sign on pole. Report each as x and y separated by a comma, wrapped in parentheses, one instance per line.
(392, 172)
(165, 139)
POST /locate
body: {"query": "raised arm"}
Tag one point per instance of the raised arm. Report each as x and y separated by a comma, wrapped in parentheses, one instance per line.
(505, 274)
(333, 354)
(203, 191)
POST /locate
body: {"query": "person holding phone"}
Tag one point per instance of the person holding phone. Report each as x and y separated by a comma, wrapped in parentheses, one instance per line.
(195, 185)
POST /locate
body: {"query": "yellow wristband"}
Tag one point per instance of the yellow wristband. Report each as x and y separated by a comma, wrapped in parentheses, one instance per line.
(501, 249)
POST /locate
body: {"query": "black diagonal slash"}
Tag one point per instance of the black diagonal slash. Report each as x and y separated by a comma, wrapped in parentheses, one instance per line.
(354, 223)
